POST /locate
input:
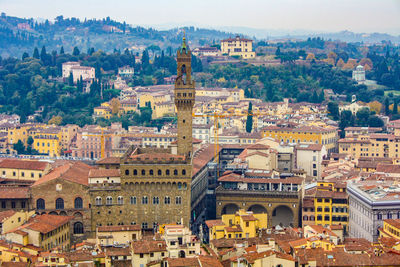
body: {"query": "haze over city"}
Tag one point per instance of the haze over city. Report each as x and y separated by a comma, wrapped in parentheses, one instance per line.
(310, 15)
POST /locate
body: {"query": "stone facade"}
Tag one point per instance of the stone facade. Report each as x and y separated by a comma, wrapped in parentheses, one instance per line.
(63, 196)
(155, 185)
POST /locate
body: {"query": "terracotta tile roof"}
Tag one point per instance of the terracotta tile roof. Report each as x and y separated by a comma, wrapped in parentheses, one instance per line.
(316, 147)
(211, 223)
(14, 264)
(388, 168)
(76, 172)
(23, 164)
(209, 261)
(147, 246)
(203, 156)
(109, 160)
(6, 214)
(119, 228)
(112, 251)
(45, 223)
(97, 173)
(248, 218)
(235, 228)
(183, 262)
(393, 222)
(14, 192)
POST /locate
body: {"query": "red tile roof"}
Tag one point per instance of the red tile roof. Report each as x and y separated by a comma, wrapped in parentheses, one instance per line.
(74, 172)
(14, 192)
(45, 223)
(393, 222)
(147, 246)
(6, 214)
(23, 164)
(97, 173)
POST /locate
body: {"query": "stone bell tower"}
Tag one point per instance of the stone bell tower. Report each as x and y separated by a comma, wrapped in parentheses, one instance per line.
(184, 99)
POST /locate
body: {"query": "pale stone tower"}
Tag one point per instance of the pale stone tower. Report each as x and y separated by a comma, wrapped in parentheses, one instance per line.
(184, 100)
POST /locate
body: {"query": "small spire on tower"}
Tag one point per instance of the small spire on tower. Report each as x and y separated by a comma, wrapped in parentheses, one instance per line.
(184, 40)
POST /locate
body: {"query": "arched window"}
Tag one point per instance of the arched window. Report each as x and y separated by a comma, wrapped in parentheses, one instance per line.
(379, 216)
(133, 200)
(183, 172)
(145, 200)
(98, 201)
(305, 218)
(167, 200)
(175, 172)
(178, 200)
(159, 172)
(151, 172)
(59, 204)
(78, 228)
(167, 172)
(109, 200)
(40, 204)
(389, 215)
(179, 185)
(143, 172)
(78, 203)
(120, 200)
(135, 172)
(156, 200)
(126, 172)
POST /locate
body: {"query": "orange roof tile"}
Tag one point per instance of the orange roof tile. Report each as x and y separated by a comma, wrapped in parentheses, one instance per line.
(23, 164)
(97, 173)
(76, 172)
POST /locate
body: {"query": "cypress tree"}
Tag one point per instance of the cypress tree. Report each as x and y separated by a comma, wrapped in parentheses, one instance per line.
(249, 121)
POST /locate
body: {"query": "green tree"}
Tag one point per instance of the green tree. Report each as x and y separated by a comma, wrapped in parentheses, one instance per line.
(346, 120)
(363, 117)
(387, 104)
(25, 55)
(19, 147)
(375, 121)
(36, 53)
(395, 107)
(249, 121)
(71, 79)
(333, 109)
(76, 51)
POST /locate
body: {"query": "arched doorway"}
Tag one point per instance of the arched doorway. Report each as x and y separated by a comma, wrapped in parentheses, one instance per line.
(256, 209)
(78, 228)
(282, 215)
(182, 254)
(230, 209)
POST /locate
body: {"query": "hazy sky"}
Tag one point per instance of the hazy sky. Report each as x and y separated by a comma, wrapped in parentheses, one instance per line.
(317, 15)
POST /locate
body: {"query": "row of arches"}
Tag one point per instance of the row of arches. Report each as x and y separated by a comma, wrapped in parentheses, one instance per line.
(151, 172)
(59, 204)
(281, 215)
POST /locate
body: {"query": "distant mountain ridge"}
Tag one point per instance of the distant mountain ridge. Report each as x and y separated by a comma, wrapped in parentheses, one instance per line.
(19, 35)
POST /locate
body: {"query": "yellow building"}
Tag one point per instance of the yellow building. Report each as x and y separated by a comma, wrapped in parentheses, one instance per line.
(128, 105)
(390, 232)
(22, 132)
(331, 206)
(163, 109)
(102, 112)
(117, 234)
(11, 219)
(69, 131)
(372, 145)
(238, 47)
(45, 231)
(23, 169)
(326, 136)
(48, 141)
(242, 224)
